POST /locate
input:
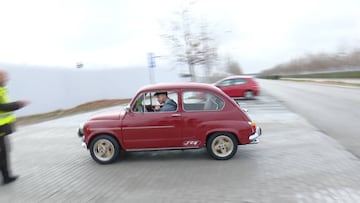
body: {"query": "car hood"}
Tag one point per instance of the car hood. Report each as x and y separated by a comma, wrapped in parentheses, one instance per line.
(111, 115)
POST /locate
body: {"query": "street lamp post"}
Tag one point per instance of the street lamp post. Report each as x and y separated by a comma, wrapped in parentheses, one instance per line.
(152, 65)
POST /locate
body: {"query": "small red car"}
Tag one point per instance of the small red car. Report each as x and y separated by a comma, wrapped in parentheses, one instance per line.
(214, 121)
(239, 86)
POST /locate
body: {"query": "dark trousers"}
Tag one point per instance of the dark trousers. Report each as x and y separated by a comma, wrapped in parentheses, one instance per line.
(3, 158)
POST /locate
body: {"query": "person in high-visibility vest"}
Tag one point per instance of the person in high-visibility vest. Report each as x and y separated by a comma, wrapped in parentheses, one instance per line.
(7, 120)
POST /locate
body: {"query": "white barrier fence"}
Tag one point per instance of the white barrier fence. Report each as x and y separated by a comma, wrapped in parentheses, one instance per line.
(51, 89)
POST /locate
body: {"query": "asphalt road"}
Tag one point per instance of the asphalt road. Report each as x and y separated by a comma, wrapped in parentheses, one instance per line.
(335, 110)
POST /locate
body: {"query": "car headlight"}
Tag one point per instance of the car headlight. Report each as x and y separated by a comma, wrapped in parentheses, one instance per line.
(81, 130)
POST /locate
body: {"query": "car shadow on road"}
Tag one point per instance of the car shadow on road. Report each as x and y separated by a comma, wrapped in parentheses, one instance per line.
(178, 155)
(245, 99)
(191, 154)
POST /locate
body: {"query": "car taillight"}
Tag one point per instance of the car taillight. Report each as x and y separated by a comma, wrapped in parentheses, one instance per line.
(253, 126)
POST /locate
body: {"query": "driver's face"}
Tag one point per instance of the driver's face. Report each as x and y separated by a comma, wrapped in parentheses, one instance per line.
(161, 98)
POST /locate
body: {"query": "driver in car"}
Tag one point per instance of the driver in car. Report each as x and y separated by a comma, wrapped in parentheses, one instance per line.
(167, 103)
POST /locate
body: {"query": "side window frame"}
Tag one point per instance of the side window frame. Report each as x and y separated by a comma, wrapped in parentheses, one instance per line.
(205, 94)
(143, 96)
(170, 91)
(241, 80)
(136, 103)
(226, 83)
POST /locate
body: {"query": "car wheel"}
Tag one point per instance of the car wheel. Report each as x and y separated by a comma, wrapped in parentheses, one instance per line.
(222, 146)
(249, 94)
(104, 149)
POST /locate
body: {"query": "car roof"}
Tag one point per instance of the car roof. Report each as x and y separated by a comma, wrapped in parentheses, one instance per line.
(237, 76)
(184, 85)
(234, 77)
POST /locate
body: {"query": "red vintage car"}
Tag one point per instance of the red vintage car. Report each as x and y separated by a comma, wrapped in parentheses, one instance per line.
(239, 86)
(185, 121)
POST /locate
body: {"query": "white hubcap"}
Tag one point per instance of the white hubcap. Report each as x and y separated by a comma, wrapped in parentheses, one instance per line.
(222, 146)
(104, 150)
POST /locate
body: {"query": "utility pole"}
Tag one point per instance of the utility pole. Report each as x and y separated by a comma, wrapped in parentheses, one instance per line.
(152, 65)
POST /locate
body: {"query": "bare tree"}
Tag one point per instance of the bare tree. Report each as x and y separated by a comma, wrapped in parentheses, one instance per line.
(233, 67)
(216, 76)
(191, 42)
(320, 62)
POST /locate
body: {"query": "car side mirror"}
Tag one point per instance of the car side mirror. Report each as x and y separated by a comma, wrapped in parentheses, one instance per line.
(127, 108)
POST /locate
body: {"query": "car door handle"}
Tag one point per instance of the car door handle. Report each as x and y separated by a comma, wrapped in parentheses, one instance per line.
(176, 115)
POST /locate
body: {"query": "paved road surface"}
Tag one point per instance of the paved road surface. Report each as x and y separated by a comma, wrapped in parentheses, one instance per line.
(333, 109)
(294, 162)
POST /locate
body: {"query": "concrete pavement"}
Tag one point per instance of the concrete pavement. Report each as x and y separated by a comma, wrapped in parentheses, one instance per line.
(333, 109)
(294, 162)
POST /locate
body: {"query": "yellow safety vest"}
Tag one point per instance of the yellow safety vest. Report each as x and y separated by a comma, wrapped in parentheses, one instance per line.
(5, 117)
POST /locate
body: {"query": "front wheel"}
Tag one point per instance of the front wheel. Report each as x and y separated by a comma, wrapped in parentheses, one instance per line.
(221, 146)
(104, 149)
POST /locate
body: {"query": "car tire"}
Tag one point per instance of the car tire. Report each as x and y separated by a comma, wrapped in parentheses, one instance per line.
(249, 94)
(104, 149)
(222, 146)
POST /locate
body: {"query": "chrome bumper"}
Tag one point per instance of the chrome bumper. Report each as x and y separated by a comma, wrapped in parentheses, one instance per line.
(254, 137)
(80, 133)
(83, 143)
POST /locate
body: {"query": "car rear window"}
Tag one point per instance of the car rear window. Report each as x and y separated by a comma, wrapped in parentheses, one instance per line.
(201, 101)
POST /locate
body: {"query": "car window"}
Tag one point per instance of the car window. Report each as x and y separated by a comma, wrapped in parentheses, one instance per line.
(239, 81)
(225, 83)
(201, 101)
(138, 105)
(147, 101)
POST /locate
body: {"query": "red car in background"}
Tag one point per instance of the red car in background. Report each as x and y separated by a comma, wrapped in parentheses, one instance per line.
(239, 86)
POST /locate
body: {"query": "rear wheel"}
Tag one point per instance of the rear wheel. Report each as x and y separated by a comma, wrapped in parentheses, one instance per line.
(104, 149)
(249, 94)
(222, 146)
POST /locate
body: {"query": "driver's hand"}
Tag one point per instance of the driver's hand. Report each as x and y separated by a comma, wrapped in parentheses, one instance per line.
(157, 108)
(23, 103)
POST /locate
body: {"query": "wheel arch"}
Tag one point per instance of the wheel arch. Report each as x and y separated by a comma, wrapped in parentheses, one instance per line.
(221, 131)
(108, 134)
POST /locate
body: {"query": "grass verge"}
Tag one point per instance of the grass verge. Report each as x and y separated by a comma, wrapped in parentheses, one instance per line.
(346, 74)
(349, 74)
(329, 82)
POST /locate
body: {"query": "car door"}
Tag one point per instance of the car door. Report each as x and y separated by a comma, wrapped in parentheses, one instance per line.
(226, 86)
(239, 87)
(200, 115)
(152, 130)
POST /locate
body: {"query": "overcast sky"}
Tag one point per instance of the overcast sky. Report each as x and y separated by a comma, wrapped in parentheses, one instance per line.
(258, 34)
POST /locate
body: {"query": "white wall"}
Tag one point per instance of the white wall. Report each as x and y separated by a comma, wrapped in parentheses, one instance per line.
(51, 88)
